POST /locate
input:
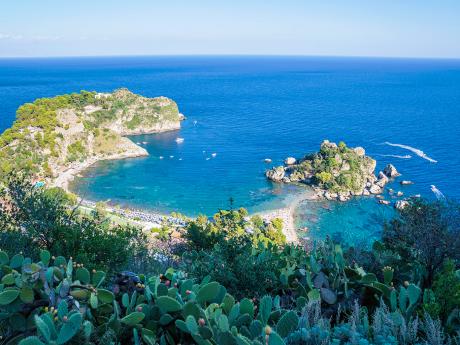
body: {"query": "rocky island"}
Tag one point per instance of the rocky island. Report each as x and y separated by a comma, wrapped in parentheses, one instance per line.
(52, 139)
(337, 172)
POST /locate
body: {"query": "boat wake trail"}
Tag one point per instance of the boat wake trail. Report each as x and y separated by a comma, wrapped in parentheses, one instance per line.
(418, 152)
(437, 192)
(397, 156)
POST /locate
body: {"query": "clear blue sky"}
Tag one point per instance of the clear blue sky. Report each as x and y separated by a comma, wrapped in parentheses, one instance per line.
(407, 28)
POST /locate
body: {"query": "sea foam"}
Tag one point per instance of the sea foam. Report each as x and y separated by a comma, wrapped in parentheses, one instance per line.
(397, 156)
(418, 152)
(437, 192)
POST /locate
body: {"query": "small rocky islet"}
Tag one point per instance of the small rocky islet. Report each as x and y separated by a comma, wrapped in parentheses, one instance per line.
(336, 172)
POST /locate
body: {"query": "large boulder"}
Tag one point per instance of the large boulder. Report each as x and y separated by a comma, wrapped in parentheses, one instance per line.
(382, 180)
(343, 197)
(330, 195)
(390, 171)
(401, 204)
(375, 189)
(276, 174)
(382, 176)
(290, 161)
(360, 151)
(328, 144)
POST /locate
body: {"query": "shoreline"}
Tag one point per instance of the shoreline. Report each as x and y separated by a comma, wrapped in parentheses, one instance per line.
(145, 219)
(133, 150)
(69, 174)
(286, 214)
(150, 219)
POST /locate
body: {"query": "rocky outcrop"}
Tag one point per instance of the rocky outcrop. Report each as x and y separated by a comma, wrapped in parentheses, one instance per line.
(359, 151)
(336, 171)
(391, 171)
(401, 204)
(276, 174)
(290, 161)
(74, 131)
(375, 189)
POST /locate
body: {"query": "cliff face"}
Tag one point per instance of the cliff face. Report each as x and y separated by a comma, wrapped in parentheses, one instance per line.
(52, 135)
(336, 171)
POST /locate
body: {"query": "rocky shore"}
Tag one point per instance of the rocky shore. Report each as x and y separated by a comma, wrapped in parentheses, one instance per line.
(336, 172)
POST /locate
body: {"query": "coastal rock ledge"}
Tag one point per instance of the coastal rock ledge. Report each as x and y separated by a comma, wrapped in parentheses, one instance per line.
(337, 172)
(53, 139)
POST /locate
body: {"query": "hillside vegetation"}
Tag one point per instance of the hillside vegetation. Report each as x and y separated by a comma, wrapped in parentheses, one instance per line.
(232, 280)
(52, 133)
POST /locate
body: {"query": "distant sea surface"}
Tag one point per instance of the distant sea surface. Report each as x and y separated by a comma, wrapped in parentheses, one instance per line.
(245, 109)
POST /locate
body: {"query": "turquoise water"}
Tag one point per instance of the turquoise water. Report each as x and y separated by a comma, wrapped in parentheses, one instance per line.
(358, 221)
(246, 109)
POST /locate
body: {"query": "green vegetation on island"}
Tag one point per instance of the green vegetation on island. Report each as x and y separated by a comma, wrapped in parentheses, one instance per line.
(337, 172)
(230, 280)
(52, 133)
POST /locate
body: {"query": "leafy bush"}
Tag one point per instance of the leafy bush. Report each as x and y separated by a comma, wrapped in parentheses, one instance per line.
(423, 236)
(58, 301)
(34, 218)
(243, 270)
(324, 177)
(75, 151)
(226, 225)
(446, 290)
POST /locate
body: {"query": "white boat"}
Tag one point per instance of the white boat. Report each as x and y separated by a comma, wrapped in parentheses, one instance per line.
(214, 155)
(161, 157)
(171, 156)
(267, 160)
(179, 140)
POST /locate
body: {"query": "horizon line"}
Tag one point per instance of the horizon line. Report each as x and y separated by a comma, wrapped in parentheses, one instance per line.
(231, 55)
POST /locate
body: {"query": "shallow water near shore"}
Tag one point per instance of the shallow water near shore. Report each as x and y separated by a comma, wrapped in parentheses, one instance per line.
(246, 109)
(356, 222)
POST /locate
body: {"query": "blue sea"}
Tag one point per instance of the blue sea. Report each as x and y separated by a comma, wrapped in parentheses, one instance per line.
(246, 109)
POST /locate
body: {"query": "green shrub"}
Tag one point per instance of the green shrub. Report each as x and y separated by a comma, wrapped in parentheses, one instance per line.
(57, 300)
(35, 218)
(422, 237)
(203, 234)
(324, 177)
